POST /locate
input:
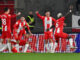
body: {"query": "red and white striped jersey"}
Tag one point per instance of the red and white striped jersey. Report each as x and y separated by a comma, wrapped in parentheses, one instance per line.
(47, 21)
(21, 25)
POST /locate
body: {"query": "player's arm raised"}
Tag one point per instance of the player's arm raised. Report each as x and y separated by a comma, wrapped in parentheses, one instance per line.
(15, 15)
(54, 20)
(70, 11)
(19, 13)
(41, 17)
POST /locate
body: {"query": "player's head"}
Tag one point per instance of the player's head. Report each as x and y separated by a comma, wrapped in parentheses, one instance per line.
(7, 10)
(47, 13)
(59, 15)
(22, 18)
(30, 13)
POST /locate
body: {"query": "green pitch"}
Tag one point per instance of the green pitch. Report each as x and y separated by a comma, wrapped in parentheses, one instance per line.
(40, 56)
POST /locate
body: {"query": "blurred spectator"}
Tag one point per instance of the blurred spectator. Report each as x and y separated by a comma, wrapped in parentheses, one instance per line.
(30, 20)
(77, 4)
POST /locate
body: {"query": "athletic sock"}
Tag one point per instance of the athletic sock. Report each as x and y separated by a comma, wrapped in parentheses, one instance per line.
(26, 47)
(47, 47)
(17, 47)
(71, 42)
(9, 47)
(51, 45)
(55, 45)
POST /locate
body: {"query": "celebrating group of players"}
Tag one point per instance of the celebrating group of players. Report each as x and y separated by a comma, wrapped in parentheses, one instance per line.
(19, 31)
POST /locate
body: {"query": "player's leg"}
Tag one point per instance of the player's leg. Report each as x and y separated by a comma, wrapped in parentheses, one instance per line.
(9, 45)
(1, 42)
(17, 46)
(66, 36)
(50, 36)
(16, 36)
(2, 38)
(3, 46)
(55, 43)
(51, 45)
(18, 41)
(27, 43)
(9, 41)
(71, 40)
(26, 36)
(26, 47)
(46, 41)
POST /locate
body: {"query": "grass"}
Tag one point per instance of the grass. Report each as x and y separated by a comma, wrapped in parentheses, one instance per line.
(40, 56)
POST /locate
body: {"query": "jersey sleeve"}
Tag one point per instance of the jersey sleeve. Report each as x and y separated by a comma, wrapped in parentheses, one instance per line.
(13, 16)
(62, 18)
(27, 26)
(15, 25)
(41, 17)
(54, 20)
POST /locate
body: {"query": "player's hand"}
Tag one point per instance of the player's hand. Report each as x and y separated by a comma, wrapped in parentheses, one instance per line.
(37, 12)
(71, 8)
(30, 22)
(19, 13)
(30, 33)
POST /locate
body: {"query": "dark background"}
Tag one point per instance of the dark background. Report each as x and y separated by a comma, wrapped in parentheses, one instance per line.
(54, 6)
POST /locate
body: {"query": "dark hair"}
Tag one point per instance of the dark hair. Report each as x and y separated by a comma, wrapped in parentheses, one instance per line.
(6, 9)
(47, 10)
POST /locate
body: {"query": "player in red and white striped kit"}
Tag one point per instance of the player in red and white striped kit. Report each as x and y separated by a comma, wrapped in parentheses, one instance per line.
(58, 32)
(19, 31)
(47, 21)
(6, 27)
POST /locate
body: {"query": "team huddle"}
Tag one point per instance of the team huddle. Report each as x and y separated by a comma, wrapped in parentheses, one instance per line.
(19, 31)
